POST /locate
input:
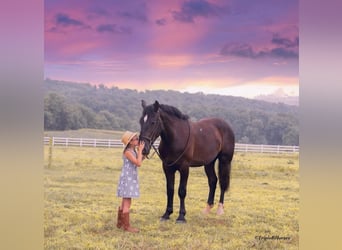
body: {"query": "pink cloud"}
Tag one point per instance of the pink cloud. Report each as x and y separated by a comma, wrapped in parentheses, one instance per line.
(170, 43)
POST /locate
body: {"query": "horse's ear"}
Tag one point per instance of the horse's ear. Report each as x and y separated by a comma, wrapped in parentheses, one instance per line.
(143, 104)
(156, 106)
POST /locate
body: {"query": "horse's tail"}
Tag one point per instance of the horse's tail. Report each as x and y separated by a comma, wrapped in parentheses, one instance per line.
(224, 170)
(225, 157)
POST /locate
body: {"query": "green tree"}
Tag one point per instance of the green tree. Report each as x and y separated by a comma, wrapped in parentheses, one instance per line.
(55, 112)
(73, 106)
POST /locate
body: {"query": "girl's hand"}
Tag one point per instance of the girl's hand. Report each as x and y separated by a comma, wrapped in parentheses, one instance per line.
(141, 146)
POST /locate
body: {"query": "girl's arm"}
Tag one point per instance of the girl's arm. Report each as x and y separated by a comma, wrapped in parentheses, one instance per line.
(135, 160)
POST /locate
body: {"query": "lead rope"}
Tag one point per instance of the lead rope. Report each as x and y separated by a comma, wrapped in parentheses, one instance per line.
(186, 146)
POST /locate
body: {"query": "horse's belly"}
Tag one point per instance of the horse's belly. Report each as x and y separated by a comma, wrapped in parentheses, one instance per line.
(205, 152)
(197, 164)
(202, 158)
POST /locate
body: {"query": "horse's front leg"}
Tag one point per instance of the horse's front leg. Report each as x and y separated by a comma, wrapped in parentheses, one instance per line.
(170, 183)
(184, 174)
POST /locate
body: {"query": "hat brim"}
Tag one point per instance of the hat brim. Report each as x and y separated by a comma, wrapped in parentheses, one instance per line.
(130, 138)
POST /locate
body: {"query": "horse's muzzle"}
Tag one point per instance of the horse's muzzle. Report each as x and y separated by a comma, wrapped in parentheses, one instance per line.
(146, 150)
(147, 147)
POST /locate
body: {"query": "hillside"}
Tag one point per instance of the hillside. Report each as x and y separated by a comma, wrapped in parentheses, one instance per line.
(73, 106)
(279, 96)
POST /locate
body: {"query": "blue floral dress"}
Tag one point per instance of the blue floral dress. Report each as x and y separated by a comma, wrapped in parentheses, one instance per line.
(128, 186)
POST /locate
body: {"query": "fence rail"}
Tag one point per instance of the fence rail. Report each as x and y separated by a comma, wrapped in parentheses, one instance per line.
(108, 143)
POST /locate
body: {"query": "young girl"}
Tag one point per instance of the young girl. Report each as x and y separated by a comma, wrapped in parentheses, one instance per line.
(128, 186)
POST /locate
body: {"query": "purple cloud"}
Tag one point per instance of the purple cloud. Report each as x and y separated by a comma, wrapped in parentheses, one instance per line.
(113, 28)
(283, 53)
(192, 9)
(285, 48)
(134, 15)
(285, 42)
(161, 22)
(239, 50)
(65, 20)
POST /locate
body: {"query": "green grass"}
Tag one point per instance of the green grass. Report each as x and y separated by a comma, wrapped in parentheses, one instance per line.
(81, 204)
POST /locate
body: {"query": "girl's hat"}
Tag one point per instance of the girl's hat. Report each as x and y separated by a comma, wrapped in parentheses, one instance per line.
(127, 137)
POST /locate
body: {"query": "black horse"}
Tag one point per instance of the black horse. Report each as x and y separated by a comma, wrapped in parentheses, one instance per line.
(185, 143)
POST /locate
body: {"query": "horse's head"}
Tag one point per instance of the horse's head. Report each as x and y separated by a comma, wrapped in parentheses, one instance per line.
(150, 125)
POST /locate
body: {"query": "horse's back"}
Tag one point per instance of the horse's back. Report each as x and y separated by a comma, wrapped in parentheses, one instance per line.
(214, 125)
(212, 136)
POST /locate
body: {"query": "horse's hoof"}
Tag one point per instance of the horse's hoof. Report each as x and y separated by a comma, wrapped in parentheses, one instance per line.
(207, 210)
(178, 221)
(164, 219)
(220, 210)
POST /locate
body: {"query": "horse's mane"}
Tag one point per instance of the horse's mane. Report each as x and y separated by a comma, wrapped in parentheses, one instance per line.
(173, 111)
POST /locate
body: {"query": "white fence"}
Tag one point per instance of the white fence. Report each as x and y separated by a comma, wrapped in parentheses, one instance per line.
(108, 143)
(265, 148)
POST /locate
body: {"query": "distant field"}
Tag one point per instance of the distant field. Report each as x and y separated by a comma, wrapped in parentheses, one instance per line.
(261, 208)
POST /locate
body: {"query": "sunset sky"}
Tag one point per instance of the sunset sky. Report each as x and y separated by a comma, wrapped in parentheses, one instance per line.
(230, 47)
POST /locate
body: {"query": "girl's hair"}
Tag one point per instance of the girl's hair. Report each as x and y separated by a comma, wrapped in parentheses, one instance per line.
(127, 146)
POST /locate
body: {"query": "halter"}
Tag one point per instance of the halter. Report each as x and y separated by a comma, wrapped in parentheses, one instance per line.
(154, 133)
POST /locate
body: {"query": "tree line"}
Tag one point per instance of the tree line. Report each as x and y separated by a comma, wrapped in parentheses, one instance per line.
(71, 106)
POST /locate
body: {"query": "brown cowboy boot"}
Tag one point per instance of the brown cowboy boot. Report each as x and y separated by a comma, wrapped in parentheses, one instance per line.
(126, 225)
(119, 224)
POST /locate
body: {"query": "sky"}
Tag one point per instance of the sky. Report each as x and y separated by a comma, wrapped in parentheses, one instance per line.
(228, 47)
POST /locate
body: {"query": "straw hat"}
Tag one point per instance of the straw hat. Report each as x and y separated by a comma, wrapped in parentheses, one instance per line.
(127, 137)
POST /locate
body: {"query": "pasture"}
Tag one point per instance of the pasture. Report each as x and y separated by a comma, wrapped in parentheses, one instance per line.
(80, 204)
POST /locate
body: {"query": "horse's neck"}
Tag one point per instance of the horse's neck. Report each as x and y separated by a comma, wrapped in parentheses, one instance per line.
(174, 129)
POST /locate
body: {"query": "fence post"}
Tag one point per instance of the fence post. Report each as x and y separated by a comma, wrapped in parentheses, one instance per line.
(50, 152)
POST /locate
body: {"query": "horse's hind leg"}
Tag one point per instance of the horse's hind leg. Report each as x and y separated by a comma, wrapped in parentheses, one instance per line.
(212, 181)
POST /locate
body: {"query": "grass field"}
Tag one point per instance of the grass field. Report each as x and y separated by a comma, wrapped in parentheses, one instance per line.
(261, 207)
